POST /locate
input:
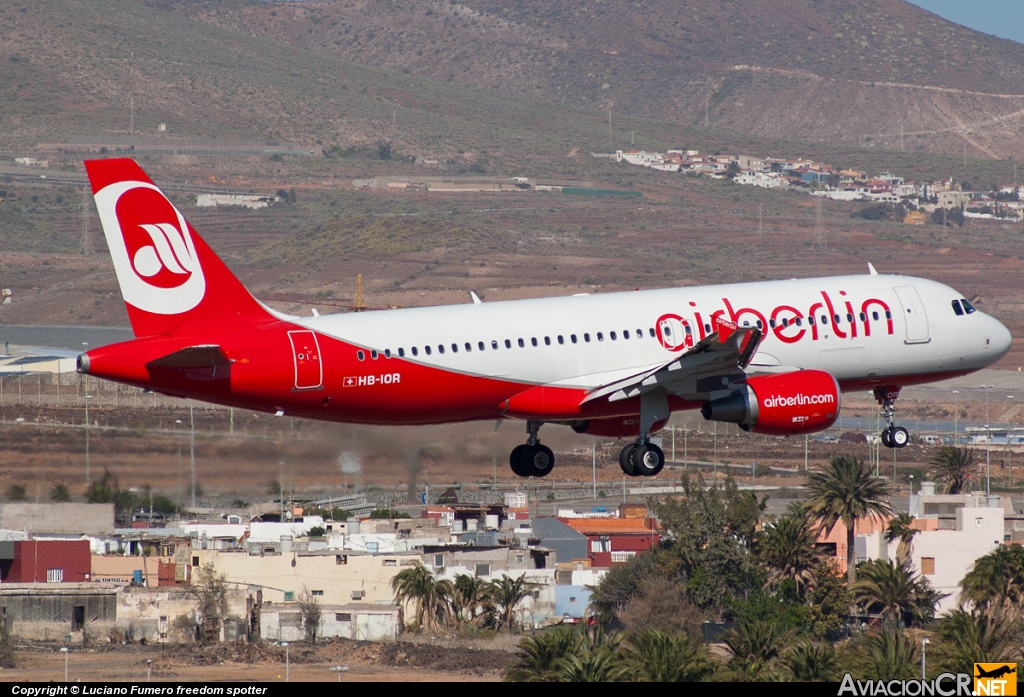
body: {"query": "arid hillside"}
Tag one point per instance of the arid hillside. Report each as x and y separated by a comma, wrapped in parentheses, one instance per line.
(878, 73)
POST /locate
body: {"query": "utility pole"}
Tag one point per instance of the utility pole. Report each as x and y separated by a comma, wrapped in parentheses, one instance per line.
(610, 129)
(131, 122)
(901, 133)
(819, 232)
(192, 448)
(706, 99)
(760, 214)
(83, 243)
(632, 137)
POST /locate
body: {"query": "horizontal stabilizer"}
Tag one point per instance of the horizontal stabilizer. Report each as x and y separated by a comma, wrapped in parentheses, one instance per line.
(197, 362)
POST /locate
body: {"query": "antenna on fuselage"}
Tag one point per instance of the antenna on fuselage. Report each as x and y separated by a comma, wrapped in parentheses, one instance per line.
(871, 269)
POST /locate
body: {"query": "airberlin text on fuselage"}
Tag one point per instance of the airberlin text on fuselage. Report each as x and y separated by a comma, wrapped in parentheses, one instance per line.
(799, 400)
(787, 323)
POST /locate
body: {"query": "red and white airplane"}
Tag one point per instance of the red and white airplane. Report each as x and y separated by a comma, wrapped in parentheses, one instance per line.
(773, 357)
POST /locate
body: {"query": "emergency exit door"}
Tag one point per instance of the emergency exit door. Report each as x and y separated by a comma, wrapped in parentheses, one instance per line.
(914, 317)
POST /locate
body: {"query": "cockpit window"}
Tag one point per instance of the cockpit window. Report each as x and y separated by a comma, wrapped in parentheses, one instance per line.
(957, 309)
(968, 308)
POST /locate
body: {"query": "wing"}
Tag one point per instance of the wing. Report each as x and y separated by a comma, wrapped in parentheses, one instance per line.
(710, 366)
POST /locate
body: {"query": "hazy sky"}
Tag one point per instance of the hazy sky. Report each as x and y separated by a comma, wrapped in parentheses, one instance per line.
(1003, 18)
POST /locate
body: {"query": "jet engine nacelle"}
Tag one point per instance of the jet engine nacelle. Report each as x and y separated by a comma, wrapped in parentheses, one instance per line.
(804, 401)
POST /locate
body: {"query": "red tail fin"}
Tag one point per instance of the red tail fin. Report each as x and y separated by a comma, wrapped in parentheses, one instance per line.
(170, 279)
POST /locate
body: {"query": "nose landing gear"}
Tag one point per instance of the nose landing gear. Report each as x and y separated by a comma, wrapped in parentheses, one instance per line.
(532, 459)
(893, 436)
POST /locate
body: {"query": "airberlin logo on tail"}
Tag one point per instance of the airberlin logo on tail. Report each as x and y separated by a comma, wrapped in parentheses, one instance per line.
(152, 248)
(798, 400)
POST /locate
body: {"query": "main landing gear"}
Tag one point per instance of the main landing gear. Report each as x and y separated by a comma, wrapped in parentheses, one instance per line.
(892, 436)
(643, 458)
(532, 459)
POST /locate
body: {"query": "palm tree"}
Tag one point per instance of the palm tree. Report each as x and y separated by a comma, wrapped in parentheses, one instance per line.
(953, 466)
(887, 655)
(846, 491)
(997, 580)
(417, 584)
(655, 656)
(787, 548)
(977, 637)
(540, 658)
(810, 662)
(470, 598)
(596, 666)
(757, 641)
(900, 528)
(894, 590)
(505, 594)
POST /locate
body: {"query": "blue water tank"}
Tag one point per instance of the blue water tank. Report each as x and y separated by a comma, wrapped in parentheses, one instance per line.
(137, 576)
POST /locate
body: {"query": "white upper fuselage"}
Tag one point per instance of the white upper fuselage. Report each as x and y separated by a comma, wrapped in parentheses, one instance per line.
(621, 334)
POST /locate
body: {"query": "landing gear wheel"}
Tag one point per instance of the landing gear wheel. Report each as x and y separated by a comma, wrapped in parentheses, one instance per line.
(648, 459)
(887, 437)
(899, 437)
(517, 460)
(538, 460)
(626, 459)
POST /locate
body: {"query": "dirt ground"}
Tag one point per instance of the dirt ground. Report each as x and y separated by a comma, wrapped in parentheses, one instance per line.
(366, 662)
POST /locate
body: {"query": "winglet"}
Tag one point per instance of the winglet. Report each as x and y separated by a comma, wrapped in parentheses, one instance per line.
(871, 269)
(476, 299)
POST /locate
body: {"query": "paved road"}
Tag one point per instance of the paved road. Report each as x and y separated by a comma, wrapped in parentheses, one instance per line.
(68, 338)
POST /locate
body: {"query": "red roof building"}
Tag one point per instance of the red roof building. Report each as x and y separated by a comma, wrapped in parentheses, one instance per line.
(615, 540)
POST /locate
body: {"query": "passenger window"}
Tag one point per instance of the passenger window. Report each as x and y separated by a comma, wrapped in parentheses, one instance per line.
(415, 351)
(373, 354)
(401, 353)
(746, 323)
(494, 344)
(760, 324)
(508, 344)
(824, 319)
(360, 355)
(572, 338)
(387, 353)
(625, 333)
(639, 333)
(481, 345)
(799, 321)
(586, 337)
(521, 343)
(650, 331)
(888, 314)
(849, 317)
(707, 328)
(771, 323)
(547, 341)
(810, 320)
(785, 322)
(533, 341)
(874, 315)
(686, 328)
(561, 339)
(611, 335)
(600, 336)
(455, 348)
(863, 317)
(440, 348)
(426, 349)
(837, 319)
(469, 347)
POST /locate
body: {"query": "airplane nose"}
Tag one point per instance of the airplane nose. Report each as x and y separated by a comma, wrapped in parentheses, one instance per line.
(1001, 338)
